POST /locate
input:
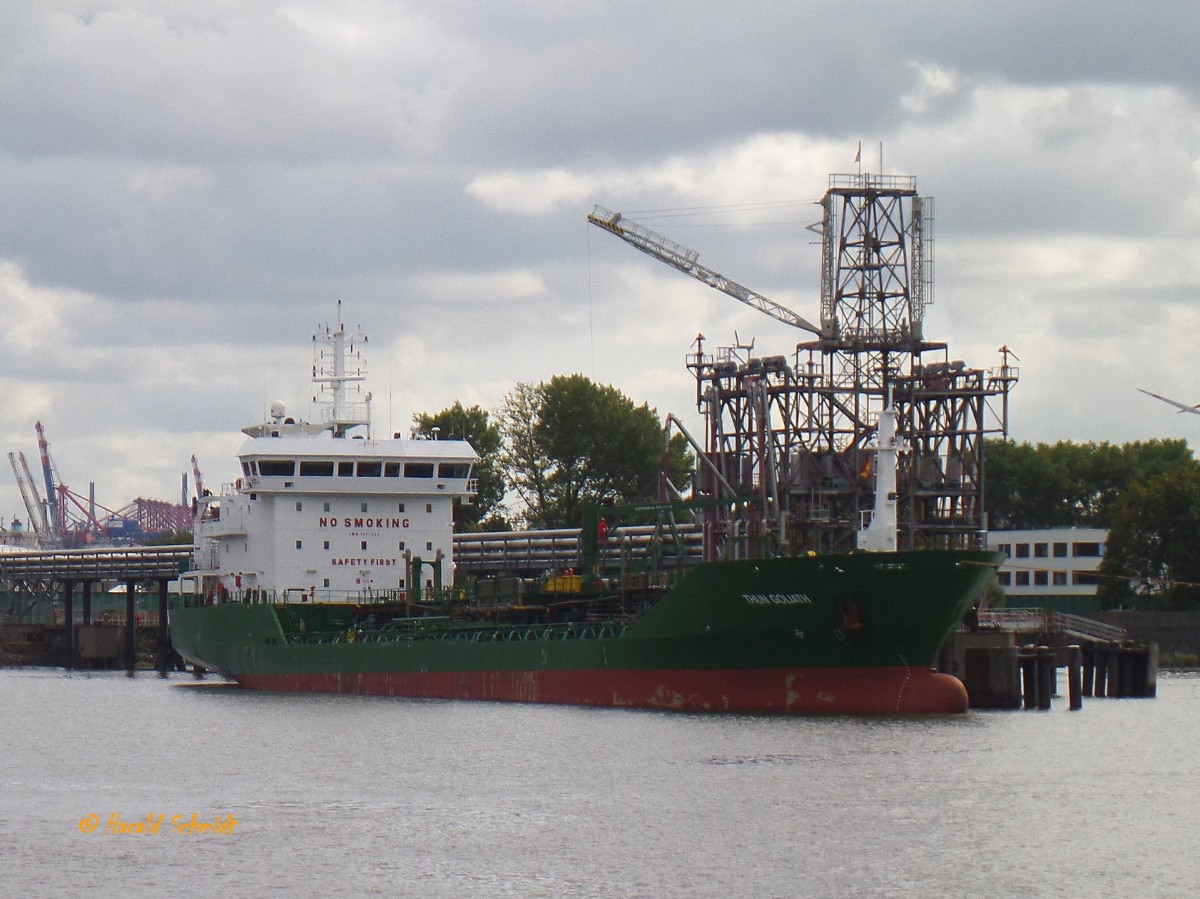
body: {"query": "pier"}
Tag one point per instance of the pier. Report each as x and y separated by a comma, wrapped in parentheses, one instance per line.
(1010, 658)
(34, 576)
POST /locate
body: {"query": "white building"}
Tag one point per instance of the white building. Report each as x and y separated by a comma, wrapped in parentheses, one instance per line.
(1053, 568)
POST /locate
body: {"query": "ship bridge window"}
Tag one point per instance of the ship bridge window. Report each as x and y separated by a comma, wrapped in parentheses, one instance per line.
(313, 469)
(418, 469)
(246, 469)
(370, 469)
(277, 468)
(454, 470)
(391, 469)
(345, 469)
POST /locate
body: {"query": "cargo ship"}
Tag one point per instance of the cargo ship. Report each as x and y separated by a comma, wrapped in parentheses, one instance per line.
(328, 567)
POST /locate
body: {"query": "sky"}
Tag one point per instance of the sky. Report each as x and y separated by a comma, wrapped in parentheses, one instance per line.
(190, 186)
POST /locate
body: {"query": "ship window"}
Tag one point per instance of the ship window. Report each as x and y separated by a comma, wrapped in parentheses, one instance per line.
(327, 507)
(363, 545)
(363, 507)
(429, 507)
(402, 546)
(402, 507)
(418, 469)
(316, 469)
(454, 470)
(429, 546)
(370, 469)
(246, 470)
(277, 468)
(299, 507)
(401, 583)
(325, 583)
(345, 469)
(299, 544)
(327, 544)
(391, 469)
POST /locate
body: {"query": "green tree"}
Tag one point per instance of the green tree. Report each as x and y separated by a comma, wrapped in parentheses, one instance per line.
(571, 442)
(473, 425)
(1068, 483)
(1152, 559)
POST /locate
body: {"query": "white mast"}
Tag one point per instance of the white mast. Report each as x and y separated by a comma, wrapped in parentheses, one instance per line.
(338, 372)
(881, 534)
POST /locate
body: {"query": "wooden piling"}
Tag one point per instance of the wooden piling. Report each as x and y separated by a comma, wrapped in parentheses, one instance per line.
(163, 656)
(1074, 684)
(1047, 673)
(1089, 669)
(68, 624)
(130, 626)
(1099, 651)
(1113, 657)
(1028, 657)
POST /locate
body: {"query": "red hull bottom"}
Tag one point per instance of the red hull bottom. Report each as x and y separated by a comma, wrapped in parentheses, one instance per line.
(857, 691)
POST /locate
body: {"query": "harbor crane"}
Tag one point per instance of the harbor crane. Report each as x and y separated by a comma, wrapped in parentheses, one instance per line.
(680, 257)
(34, 506)
(198, 477)
(53, 510)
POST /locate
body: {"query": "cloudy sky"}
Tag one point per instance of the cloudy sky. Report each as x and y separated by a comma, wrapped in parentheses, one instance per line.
(189, 187)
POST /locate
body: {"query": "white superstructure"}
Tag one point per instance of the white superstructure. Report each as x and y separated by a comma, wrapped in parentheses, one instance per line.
(322, 513)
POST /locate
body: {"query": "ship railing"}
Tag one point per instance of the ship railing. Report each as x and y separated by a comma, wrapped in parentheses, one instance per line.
(442, 628)
(348, 597)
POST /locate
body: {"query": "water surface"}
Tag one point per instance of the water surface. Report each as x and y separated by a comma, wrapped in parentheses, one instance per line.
(374, 796)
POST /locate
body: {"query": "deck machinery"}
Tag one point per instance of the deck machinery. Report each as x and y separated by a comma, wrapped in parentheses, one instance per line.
(798, 432)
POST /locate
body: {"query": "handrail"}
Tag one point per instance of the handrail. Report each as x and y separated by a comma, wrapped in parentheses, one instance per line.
(1051, 622)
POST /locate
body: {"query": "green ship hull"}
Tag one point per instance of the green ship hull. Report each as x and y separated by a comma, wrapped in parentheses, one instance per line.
(853, 633)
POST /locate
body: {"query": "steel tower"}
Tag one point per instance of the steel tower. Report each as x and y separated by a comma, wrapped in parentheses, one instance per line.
(798, 432)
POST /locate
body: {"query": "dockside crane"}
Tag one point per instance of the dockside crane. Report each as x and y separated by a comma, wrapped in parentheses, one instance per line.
(54, 510)
(687, 261)
(197, 476)
(34, 506)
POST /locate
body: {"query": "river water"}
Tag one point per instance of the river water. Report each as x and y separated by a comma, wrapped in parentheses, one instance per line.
(392, 797)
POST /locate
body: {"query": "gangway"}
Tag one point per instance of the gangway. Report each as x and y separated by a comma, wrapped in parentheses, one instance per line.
(1040, 621)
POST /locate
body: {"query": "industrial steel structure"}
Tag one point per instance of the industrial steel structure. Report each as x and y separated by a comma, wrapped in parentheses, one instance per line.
(798, 432)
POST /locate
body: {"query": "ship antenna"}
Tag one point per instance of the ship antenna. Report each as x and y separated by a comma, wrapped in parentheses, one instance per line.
(339, 369)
